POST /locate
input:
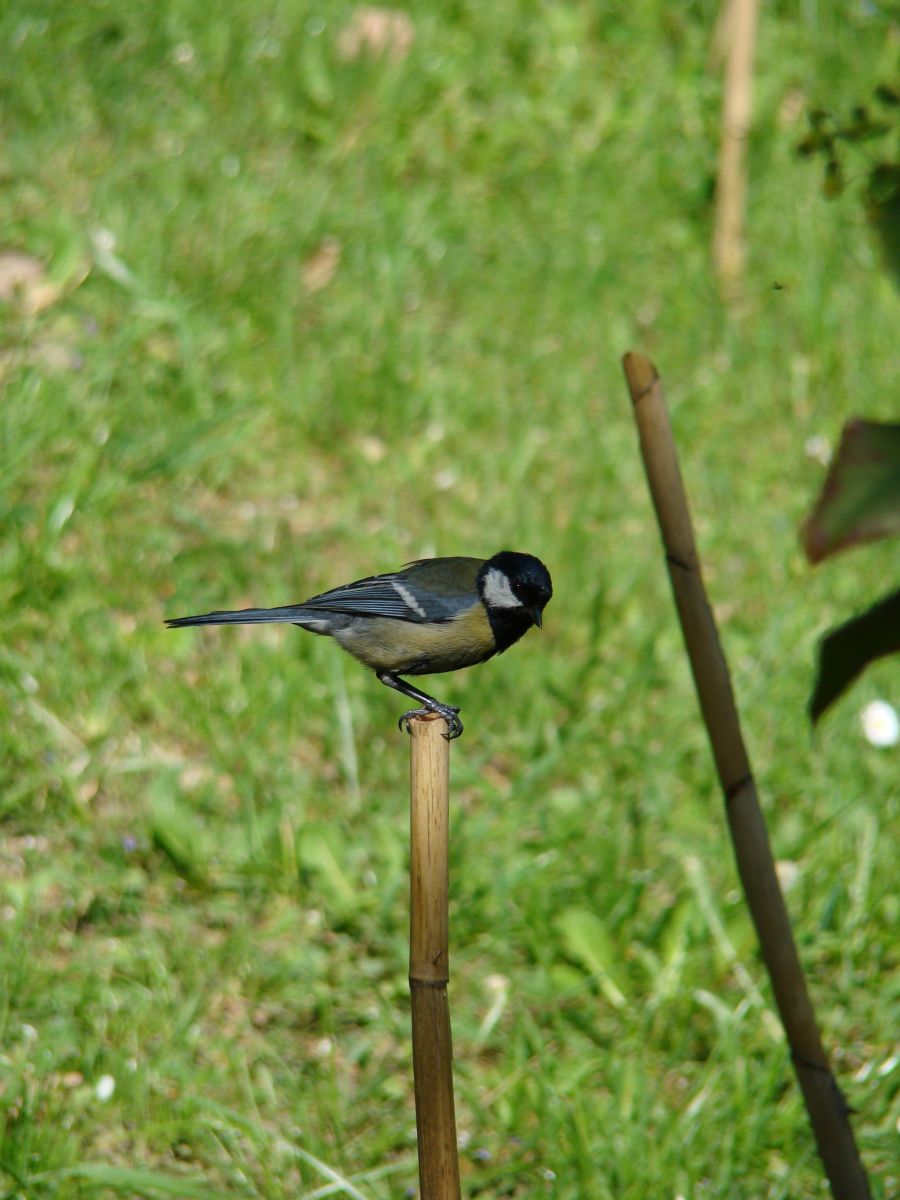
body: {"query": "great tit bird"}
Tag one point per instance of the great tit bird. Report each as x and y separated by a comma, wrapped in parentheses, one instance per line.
(433, 615)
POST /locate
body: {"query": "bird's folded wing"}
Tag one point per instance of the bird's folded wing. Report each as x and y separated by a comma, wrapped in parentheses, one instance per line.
(380, 596)
(436, 590)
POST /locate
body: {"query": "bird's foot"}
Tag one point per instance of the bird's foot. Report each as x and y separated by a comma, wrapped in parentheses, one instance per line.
(449, 712)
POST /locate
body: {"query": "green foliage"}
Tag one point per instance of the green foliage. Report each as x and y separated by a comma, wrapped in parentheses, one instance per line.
(298, 316)
(867, 141)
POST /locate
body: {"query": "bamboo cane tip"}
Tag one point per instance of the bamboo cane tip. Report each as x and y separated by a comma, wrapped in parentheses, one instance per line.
(641, 374)
(420, 722)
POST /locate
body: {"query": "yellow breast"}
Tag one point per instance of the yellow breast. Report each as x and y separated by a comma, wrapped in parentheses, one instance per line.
(405, 648)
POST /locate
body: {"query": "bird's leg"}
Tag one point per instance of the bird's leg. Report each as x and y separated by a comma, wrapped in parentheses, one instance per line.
(429, 705)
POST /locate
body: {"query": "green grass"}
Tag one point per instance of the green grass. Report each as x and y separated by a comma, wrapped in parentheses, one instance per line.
(204, 870)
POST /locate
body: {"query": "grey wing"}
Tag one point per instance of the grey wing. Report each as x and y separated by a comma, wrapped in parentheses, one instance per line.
(428, 590)
(378, 596)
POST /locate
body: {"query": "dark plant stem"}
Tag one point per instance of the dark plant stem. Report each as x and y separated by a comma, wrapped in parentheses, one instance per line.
(828, 1111)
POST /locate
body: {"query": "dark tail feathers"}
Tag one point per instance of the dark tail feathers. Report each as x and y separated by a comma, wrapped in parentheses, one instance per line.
(246, 616)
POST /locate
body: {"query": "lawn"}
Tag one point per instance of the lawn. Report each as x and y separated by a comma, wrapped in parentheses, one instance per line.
(308, 313)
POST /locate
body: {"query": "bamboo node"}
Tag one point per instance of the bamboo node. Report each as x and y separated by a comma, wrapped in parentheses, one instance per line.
(813, 1066)
(733, 789)
(673, 561)
(639, 363)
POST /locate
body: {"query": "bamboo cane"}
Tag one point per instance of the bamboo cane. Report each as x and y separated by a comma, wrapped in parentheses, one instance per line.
(827, 1109)
(429, 959)
(737, 33)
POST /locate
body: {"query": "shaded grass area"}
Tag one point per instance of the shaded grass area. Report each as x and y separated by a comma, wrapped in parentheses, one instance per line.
(203, 874)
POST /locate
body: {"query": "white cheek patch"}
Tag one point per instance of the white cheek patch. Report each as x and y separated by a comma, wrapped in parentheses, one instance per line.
(497, 592)
(408, 599)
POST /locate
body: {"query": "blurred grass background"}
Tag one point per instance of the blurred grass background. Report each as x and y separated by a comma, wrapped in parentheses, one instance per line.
(310, 312)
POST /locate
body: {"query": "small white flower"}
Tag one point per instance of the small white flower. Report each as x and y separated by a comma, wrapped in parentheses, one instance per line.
(184, 54)
(818, 449)
(788, 874)
(105, 239)
(104, 1087)
(880, 723)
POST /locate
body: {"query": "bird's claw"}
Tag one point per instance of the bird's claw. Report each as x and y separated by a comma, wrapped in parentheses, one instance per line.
(449, 712)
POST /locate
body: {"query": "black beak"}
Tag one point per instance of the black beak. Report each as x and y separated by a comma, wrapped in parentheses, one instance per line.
(535, 614)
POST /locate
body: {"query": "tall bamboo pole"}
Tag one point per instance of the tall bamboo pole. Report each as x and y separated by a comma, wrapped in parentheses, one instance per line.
(429, 958)
(828, 1112)
(737, 34)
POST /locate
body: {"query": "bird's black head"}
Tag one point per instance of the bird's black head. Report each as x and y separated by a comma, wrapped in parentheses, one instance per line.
(514, 589)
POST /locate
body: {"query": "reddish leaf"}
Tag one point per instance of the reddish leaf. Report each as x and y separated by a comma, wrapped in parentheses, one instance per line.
(860, 500)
